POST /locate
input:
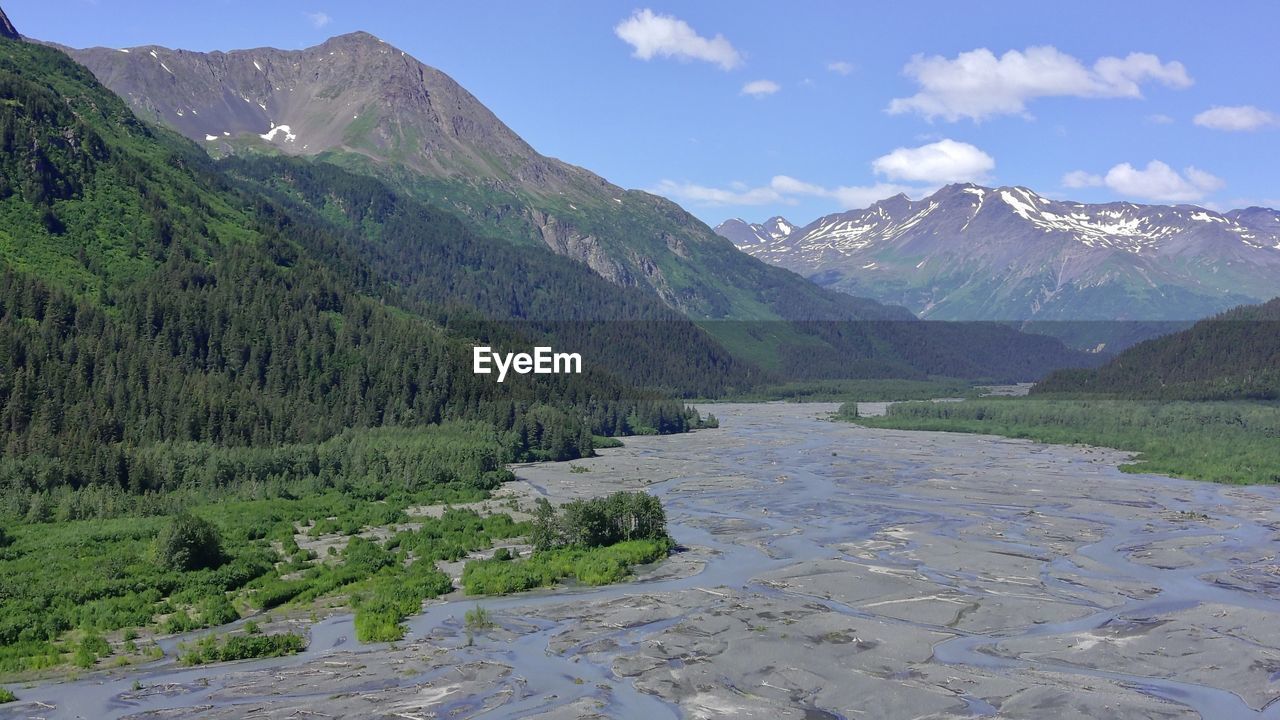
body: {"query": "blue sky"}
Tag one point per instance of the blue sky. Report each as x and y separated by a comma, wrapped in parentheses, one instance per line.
(752, 109)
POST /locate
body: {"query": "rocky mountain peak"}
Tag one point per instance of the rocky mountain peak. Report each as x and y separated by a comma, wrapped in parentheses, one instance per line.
(353, 93)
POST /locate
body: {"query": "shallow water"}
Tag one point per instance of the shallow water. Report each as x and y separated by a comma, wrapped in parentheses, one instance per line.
(1068, 573)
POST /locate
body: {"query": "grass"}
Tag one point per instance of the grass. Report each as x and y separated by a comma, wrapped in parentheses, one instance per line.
(478, 618)
(1234, 442)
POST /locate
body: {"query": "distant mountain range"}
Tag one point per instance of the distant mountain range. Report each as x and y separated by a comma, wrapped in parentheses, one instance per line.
(977, 253)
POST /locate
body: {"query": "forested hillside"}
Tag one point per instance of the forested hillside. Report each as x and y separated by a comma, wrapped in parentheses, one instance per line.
(1235, 355)
(434, 263)
(147, 299)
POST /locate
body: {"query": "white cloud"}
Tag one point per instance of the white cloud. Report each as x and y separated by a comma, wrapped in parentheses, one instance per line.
(1235, 118)
(1159, 119)
(652, 35)
(1158, 181)
(760, 88)
(841, 67)
(1082, 179)
(977, 85)
(704, 195)
(945, 161)
(781, 190)
(318, 19)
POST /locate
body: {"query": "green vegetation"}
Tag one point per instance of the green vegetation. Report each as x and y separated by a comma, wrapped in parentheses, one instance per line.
(594, 541)
(188, 543)
(478, 618)
(1233, 442)
(589, 566)
(402, 574)
(7, 696)
(100, 576)
(242, 647)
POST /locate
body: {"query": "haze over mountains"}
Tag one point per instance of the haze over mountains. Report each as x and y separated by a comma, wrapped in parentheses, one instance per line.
(969, 252)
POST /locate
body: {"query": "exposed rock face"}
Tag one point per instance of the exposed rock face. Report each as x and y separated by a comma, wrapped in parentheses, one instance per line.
(563, 239)
(977, 253)
(7, 30)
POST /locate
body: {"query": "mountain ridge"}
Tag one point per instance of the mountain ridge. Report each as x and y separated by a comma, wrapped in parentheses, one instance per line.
(361, 103)
(968, 252)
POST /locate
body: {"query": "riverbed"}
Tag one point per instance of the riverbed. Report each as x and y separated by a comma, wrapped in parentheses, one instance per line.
(826, 571)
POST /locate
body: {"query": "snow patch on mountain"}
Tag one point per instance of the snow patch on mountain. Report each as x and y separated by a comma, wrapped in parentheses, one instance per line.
(270, 136)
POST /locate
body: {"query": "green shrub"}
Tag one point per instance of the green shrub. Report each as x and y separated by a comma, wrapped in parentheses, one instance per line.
(217, 610)
(593, 566)
(243, 647)
(188, 542)
(90, 648)
(378, 625)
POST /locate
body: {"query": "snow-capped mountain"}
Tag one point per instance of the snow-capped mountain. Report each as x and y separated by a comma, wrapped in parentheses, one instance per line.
(976, 253)
(743, 233)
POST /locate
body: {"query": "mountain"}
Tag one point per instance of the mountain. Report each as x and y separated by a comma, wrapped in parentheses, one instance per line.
(361, 103)
(977, 253)
(151, 301)
(741, 233)
(1234, 355)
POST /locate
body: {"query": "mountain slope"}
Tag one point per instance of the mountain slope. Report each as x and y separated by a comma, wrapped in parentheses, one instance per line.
(432, 262)
(147, 298)
(1231, 356)
(360, 102)
(976, 253)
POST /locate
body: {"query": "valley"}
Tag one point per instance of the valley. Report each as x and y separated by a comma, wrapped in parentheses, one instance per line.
(324, 393)
(826, 570)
